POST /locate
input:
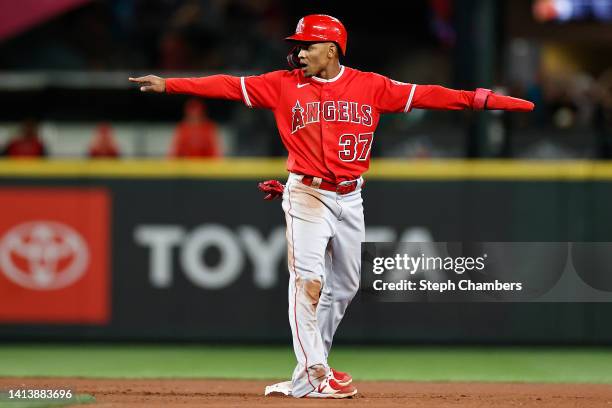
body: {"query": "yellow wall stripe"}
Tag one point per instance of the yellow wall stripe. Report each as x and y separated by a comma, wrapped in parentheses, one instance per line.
(254, 168)
(227, 168)
(491, 170)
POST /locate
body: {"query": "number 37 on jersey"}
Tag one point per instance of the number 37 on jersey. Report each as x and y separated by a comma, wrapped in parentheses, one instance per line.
(352, 146)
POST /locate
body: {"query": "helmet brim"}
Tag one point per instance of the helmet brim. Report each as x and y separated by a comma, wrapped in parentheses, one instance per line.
(306, 38)
(310, 39)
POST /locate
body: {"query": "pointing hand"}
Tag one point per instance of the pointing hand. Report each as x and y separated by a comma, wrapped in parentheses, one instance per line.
(150, 83)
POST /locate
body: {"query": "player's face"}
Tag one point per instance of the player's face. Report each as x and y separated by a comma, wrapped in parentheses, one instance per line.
(315, 58)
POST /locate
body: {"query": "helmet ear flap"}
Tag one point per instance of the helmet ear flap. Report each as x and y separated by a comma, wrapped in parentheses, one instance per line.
(292, 58)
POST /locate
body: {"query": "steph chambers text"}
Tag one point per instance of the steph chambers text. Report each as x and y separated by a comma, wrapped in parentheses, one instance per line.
(467, 285)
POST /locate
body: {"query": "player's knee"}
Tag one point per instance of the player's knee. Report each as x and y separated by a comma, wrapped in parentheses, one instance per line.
(326, 297)
(312, 287)
(348, 292)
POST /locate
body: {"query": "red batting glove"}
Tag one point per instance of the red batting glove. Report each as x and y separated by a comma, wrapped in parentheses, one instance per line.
(273, 189)
(486, 99)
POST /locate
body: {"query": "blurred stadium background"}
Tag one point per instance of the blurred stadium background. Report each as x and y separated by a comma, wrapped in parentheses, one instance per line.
(145, 245)
(64, 64)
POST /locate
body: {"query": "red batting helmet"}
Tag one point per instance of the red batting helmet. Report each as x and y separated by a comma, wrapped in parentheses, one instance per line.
(320, 28)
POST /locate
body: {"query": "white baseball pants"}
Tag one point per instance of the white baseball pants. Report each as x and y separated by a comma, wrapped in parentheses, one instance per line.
(324, 235)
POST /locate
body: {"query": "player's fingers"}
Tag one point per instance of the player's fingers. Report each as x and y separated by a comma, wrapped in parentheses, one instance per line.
(138, 79)
(147, 88)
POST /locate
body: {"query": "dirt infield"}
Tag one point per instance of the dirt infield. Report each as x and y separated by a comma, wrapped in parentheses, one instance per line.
(227, 393)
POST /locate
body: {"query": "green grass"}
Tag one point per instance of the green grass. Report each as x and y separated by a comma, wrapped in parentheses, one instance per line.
(365, 363)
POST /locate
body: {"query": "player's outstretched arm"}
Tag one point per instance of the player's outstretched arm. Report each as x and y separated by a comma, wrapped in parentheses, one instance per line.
(258, 91)
(439, 97)
(213, 86)
(150, 83)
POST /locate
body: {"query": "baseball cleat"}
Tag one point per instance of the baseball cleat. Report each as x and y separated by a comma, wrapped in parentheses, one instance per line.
(329, 388)
(342, 378)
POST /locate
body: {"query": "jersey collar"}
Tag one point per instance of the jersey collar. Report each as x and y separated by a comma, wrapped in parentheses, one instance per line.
(334, 79)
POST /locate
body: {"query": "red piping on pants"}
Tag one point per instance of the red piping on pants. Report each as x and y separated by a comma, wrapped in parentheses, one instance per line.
(297, 331)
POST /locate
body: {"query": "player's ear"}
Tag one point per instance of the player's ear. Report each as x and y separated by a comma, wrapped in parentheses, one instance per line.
(332, 50)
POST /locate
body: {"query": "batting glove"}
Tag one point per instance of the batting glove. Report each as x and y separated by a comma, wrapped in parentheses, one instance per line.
(272, 188)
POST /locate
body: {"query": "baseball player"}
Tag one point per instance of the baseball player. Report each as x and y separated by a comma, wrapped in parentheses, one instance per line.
(326, 114)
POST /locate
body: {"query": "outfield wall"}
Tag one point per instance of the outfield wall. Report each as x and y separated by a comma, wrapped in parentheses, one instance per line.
(168, 250)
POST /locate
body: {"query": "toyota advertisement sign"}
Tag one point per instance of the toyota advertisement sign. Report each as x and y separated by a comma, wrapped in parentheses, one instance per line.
(205, 259)
(54, 254)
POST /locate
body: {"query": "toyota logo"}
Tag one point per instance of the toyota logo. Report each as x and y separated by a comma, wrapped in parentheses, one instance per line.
(43, 255)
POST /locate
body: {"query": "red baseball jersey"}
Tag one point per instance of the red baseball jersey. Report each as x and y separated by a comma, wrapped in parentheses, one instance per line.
(327, 125)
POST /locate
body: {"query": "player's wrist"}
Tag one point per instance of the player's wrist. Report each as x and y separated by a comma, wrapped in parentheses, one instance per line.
(481, 96)
(167, 85)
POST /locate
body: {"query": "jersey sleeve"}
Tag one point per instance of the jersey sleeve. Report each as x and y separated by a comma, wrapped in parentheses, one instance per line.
(395, 96)
(441, 98)
(259, 91)
(262, 91)
(392, 96)
(214, 87)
